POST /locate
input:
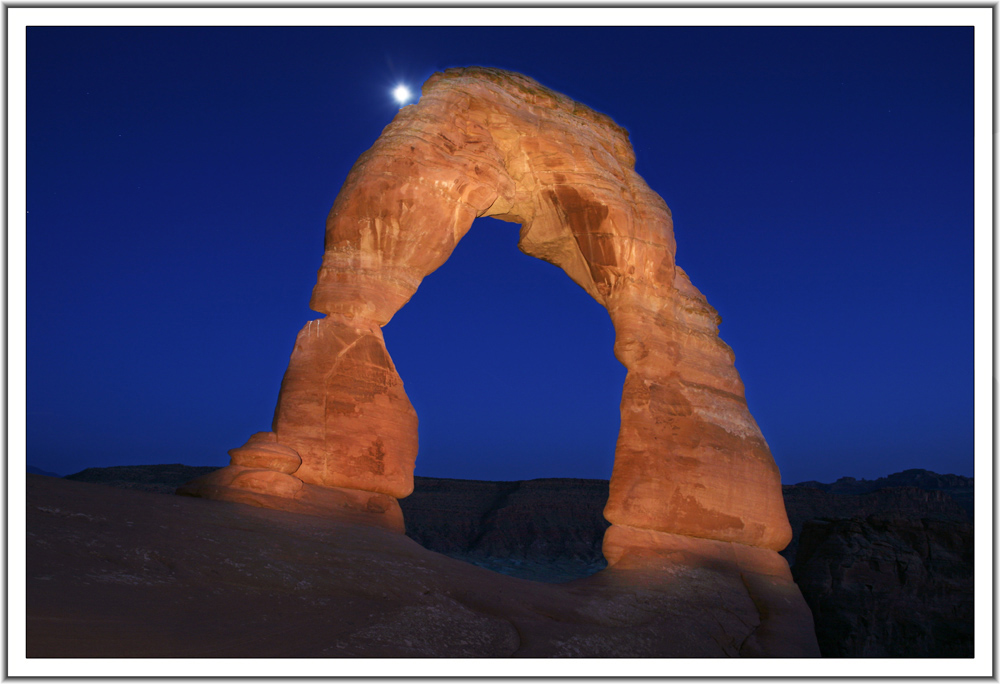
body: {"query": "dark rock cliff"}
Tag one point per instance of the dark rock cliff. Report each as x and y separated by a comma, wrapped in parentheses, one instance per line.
(803, 502)
(958, 487)
(883, 587)
(547, 529)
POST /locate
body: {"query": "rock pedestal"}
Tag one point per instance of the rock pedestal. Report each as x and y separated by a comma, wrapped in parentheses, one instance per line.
(259, 474)
(690, 460)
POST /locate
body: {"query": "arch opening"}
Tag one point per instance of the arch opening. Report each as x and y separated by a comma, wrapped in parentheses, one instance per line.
(510, 367)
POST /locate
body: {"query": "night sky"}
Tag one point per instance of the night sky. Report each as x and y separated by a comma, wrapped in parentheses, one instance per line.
(820, 179)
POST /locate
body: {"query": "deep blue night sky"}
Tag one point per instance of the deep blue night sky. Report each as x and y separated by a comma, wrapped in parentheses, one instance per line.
(821, 183)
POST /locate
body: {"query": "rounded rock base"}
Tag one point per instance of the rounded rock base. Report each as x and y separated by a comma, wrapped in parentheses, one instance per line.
(759, 578)
(283, 492)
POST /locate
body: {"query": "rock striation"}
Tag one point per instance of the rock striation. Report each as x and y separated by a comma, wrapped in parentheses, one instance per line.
(690, 459)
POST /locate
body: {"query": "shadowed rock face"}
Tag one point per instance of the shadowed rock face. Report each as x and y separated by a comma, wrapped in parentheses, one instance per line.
(690, 460)
(545, 530)
(885, 586)
(886, 565)
(887, 572)
(805, 502)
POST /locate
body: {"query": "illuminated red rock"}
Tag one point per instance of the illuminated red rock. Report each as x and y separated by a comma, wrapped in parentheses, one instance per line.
(271, 489)
(263, 451)
(342, 408)
(690, 459)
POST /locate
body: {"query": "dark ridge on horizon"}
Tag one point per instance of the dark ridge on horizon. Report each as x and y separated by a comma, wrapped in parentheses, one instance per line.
(919, 477)
(38, 471)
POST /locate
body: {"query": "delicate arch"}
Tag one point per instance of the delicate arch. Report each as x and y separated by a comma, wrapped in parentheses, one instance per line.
(690, 460)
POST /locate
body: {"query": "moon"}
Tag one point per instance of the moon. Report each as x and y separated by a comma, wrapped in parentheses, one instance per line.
(402, 94)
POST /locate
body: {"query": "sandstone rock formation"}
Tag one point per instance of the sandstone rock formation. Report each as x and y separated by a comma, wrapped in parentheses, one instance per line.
(690, 459)
(263, 451)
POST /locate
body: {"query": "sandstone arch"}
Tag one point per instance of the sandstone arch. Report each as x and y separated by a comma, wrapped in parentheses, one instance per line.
(690, 459)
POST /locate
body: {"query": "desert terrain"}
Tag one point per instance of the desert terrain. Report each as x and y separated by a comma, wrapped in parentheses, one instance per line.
(119, 567)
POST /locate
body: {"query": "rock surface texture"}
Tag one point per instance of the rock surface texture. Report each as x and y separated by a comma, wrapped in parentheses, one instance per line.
(690, 459)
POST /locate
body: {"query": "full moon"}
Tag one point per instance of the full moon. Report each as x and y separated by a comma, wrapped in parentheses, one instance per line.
(402, 94)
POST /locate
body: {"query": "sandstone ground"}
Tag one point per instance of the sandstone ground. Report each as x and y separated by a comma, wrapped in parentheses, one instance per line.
(118, 573)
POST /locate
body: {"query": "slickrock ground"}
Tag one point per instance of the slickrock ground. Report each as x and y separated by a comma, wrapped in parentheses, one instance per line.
(119, 573)
(887, 571)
